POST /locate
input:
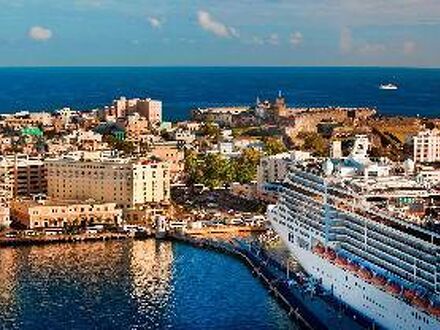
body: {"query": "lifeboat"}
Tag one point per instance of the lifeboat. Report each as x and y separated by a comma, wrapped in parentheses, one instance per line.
(318, 249)
(392, 288)
(353, 267)
(409, 294)
(341, 261)
(434, 310)
(330, 254)
(365, 274)
(420, 302)
(379, 280)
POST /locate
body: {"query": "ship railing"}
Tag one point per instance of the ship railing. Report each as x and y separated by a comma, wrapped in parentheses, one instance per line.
(405, 258)
(360, 203)
(378, 265)
(298, 216)
(386, 254)
(387, 241)
(422, 257)
(364, 214)
(404, 275)
(365, 253)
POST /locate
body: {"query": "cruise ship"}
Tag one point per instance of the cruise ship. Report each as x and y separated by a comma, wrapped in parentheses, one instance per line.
(347, 236)
(390, 86)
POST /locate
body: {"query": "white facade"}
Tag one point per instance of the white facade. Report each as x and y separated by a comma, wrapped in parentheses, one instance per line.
(427, 147)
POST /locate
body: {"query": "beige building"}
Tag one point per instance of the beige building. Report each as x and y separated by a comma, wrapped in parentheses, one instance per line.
(150, 109)
(147, 108)
(135, 126)
(59, 214)
(127, 183)
(21, 175)
(4, 217)
(427, 147)
(171, 153)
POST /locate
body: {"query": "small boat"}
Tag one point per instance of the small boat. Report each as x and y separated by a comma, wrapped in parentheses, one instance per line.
(434, 309)
(393, 288)
(330, 254)
(319, 249)
(389, 87)
(365, 273)
(409, 294)
(341, 261)
(420, 302)
(379, 280)
(353, 266)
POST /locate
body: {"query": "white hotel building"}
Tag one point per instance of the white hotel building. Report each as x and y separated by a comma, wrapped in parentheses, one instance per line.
(427, 147)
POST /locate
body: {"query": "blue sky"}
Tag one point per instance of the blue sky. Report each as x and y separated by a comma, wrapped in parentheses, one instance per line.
(220, 32)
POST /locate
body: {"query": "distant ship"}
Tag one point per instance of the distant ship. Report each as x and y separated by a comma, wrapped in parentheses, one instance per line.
(388, 87)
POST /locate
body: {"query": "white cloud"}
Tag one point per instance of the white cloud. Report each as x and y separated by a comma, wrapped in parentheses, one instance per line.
(274, 39)
(345, 40)
(409, 47)
(296, 38)
(371, 49)
(39, 33)
(208, 23)
(257, 40)
(155, 22)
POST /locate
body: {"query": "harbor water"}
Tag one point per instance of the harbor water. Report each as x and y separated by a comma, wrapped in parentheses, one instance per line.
(131, 285)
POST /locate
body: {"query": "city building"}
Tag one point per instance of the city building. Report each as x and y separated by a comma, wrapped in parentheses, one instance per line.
(4, 217)
(171, 153)
(272, 170)
(150, 109)
(59, 214)
(222, 116)
(135, 126)
(128, 183)
(21, 175)
(426, 147)
(147, 108)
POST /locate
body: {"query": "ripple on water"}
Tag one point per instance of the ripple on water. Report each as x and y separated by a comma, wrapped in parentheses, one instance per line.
(131, 285)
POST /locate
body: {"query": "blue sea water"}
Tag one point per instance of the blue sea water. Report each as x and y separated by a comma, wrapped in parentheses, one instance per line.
(131, 285)
(184, 88)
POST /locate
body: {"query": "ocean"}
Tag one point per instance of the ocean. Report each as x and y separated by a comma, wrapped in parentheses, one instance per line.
(184, 88)
(131, 285)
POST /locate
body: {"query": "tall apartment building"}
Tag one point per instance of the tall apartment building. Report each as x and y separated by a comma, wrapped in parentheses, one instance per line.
(127, 183)
(427, 146)
(147, 108)
(21, 175)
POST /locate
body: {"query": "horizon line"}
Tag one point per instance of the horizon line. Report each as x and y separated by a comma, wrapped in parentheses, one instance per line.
(218, 66)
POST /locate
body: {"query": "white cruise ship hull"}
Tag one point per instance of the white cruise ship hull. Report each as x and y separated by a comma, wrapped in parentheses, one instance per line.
(386, 310)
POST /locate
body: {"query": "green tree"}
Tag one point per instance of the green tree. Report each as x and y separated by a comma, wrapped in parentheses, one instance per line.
(246, 165)
(214, 165)
(315, 143)
(273, 146)
(210, 130)
(193, 169)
